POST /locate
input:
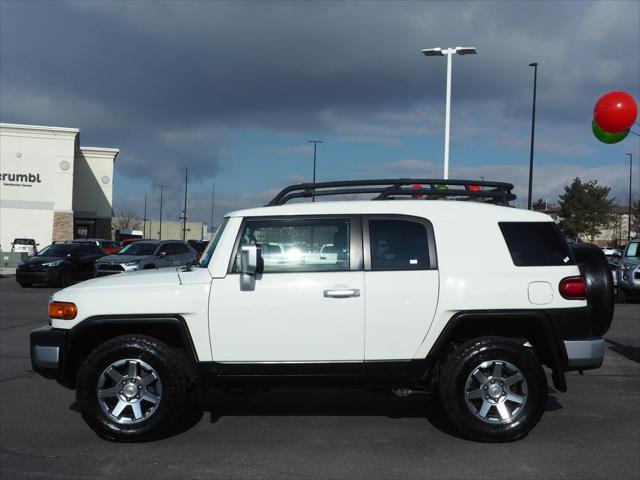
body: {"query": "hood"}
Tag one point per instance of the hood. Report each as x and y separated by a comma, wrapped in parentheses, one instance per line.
(40, 260)
(141, 278)
(124, 258)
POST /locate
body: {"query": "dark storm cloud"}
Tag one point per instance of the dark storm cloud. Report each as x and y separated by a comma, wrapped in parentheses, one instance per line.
(168, 81)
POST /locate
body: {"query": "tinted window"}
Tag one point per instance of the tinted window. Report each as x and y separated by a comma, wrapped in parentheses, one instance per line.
(139, 248)
(24, 241)
(398, 245)
(301, 245)
(109, 245)
(180, 248)
(536, 244)
(85, 250)
(57, 250)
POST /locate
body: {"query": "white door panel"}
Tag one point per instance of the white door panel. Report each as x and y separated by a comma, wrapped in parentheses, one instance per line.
(288, 318)
(400, 306)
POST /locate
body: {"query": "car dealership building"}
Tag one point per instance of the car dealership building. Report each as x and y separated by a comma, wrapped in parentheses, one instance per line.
(51, 188)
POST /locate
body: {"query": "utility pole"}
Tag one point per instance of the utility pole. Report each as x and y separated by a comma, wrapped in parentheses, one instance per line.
(213, 189)
(533, 129)
(315, 146)
(144, 218)
(630, 201)
(184, 212)
(160, 231)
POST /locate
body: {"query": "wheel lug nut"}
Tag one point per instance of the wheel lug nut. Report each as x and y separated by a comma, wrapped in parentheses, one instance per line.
(493, 381)
(487, 397)
(502, 384)
(121, 392)
(486, 387)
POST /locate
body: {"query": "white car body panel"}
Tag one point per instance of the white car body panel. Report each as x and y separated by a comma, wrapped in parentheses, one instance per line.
(398, 315)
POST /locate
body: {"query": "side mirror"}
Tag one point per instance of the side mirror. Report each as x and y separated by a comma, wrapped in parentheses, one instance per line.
(250, 266)
(162, 254)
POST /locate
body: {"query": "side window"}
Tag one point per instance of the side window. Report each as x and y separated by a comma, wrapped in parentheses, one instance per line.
(300, 245)
(84, 250)
(398, 245)
(180, 248)
(166, 248)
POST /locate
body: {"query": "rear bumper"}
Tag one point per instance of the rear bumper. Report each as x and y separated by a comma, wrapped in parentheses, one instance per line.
(50, 356)
(584, 354)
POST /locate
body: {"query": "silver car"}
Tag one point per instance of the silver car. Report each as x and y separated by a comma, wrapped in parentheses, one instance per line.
(147, 254)
(629, 272)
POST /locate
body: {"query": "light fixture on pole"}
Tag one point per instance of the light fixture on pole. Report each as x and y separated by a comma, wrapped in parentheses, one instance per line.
(449, 52)
(315, 147)
(630, 171)
(160, 231)
(533, 130)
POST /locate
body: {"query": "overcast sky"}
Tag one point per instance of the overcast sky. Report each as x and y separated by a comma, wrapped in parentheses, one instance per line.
(234, 90)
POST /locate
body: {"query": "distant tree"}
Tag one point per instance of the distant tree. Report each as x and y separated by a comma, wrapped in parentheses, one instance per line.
(127, 219)
(539, 205)
(635, 219)
(585, 209)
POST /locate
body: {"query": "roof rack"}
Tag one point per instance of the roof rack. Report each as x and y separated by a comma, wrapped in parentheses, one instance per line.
(498, 193)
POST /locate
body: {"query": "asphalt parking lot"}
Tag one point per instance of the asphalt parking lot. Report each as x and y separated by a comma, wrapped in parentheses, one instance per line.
(592, 431)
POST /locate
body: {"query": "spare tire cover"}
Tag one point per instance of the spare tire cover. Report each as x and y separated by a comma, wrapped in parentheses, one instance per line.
(599, 282)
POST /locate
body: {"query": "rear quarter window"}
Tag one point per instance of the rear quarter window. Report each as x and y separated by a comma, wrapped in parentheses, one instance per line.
(536, 244)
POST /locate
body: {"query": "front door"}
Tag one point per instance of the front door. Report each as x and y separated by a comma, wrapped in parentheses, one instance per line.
(308, 304)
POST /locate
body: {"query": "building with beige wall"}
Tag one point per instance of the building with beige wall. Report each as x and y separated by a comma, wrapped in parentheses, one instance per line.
(51, 188)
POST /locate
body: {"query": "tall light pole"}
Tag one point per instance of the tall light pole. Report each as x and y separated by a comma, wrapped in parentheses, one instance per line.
(449, 52)
(144, 218)
(184, 212)
(630, 170)
(533, 130)
(213, 190)
(160, 231)
(315, 147)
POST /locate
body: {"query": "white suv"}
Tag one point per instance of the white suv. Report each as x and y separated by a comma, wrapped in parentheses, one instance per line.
(466, 299)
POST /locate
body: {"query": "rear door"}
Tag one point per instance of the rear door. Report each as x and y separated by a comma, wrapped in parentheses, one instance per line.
(401, 281)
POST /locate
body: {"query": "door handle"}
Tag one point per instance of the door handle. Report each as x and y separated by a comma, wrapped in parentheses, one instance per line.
(353, 292)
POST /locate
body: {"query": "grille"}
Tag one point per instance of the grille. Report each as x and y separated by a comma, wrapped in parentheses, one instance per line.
(110, 268)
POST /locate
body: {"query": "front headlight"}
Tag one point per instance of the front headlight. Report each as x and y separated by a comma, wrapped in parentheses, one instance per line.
(624, 267)
(132, 263)
(52, 264)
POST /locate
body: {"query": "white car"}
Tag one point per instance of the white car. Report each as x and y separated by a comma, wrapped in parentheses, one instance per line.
(465, 299)
(612, 252)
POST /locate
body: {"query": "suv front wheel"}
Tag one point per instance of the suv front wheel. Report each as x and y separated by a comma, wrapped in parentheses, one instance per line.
(131, 388)
(493, 389)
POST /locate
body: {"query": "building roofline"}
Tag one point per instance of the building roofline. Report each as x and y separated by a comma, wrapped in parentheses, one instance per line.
(39, 127)
(101, 150)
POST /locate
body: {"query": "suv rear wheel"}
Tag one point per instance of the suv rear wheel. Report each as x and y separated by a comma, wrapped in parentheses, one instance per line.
(131, 388)
(493, 389)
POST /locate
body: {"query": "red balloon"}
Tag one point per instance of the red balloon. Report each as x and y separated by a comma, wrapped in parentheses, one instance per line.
(416, 186)
(615, 112)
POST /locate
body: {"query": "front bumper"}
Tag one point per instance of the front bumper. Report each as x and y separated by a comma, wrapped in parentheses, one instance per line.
(584, 354)
(629, 279)
(50, 356)
(41, 276)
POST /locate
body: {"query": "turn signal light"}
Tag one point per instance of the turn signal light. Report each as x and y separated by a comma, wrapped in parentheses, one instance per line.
(573, 288)
(62, 310)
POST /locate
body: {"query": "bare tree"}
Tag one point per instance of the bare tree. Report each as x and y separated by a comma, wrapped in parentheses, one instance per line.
(127, 219)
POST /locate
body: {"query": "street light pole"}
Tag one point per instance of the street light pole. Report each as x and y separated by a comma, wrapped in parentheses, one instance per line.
(160, 231)
(533, 129)
(315, 147)
(144, 218)
(449, 52)
(630, 170)
(213, 189)
(184, 212)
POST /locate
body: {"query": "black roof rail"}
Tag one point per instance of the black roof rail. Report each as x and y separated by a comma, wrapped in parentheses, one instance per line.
(498, 193)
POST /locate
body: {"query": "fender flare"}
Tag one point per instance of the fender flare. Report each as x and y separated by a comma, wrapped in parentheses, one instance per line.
(555, 353)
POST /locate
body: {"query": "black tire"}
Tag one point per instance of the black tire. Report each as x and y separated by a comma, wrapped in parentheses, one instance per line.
(65, 277)
(26, 284)
(164, 361)
(599, 282)
(621, 295)
(456, 379)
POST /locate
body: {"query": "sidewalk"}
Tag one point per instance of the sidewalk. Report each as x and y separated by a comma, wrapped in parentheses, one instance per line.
(6, 272)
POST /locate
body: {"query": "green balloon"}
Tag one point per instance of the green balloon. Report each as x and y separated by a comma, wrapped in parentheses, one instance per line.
(606, 137)
(442, 187)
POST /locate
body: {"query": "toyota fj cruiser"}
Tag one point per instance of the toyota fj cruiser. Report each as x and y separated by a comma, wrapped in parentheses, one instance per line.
(410, 291)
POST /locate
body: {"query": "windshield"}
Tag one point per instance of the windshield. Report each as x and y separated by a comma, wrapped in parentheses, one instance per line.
(57, 250)
(633, 250)
(138, 248)
(208, 253)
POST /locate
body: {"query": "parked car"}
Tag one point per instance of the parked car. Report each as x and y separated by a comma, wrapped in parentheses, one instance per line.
(109, 247)
(611, 252)
(59, 264)
(405, 302)
(629, 272)
(199, 246)
(148, 254)
(128, 241)
(28, 245)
